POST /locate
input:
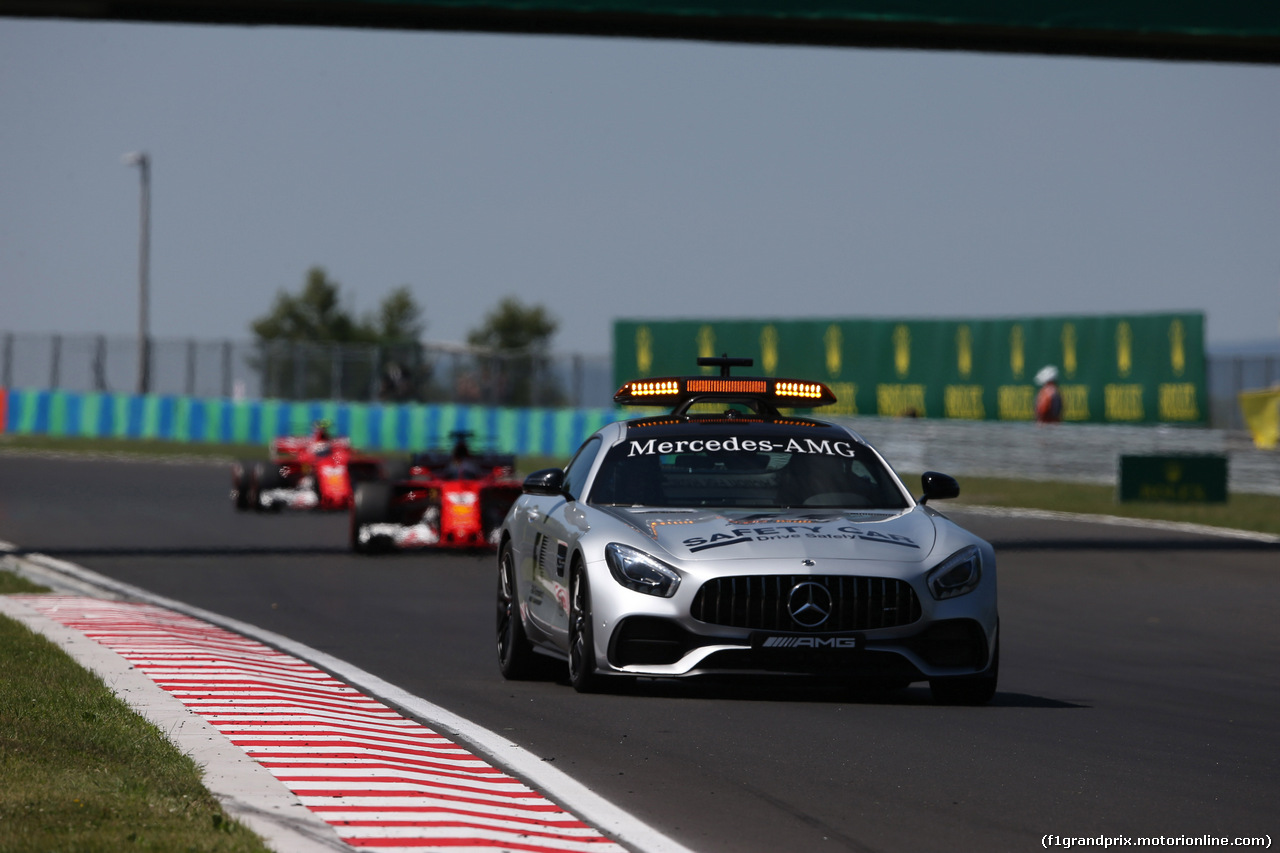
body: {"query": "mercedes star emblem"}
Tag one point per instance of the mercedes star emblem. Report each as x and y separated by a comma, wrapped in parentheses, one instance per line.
(809, 604)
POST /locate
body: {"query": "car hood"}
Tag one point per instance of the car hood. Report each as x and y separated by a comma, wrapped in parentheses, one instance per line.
(907, 536)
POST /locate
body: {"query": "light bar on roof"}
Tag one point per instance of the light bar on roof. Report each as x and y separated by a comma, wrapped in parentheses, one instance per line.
(726, 386)
(788, 388)
(671, 390)
(652, 388)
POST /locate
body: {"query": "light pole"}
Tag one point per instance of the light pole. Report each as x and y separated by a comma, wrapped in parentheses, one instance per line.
(143, 162)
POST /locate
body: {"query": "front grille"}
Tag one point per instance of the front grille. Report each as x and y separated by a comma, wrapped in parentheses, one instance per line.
(760, 603)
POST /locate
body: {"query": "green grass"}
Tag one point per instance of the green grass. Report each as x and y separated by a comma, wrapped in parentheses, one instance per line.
(84, 773)
(1260, 513)
(11, 583)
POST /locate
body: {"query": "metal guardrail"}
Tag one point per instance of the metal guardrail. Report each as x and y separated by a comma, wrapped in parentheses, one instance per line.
(1087, 453)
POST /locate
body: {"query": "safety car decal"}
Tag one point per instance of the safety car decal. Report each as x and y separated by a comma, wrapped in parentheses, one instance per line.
(794, 531)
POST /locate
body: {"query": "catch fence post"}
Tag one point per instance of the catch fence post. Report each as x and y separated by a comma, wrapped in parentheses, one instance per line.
(226, 369)
(100, 364)
(55, 361)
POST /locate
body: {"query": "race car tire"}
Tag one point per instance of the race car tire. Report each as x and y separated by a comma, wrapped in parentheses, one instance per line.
(396, 470)
(266, 476)
(969, 689)
(516, 658)
(582, 655)
(370, 505)
(241, 484)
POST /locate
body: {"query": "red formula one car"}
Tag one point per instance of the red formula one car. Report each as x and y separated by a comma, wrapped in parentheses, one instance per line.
(311, 472)
(447, 500)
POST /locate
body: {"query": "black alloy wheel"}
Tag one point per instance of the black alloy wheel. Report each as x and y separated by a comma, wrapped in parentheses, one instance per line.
(582, 657)
(515, 654)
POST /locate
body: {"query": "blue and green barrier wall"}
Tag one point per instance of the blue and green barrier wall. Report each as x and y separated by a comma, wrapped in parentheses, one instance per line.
(374, 427)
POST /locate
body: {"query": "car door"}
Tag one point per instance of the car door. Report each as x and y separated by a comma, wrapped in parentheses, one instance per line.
(555, 531)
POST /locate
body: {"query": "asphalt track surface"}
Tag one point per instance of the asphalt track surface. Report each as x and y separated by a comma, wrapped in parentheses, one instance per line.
(1139, 694)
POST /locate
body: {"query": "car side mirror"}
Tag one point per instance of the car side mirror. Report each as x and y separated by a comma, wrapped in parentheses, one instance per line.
(938, 486)
(548, 481)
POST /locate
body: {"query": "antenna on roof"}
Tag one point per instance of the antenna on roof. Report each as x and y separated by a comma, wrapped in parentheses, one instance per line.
(724, 362)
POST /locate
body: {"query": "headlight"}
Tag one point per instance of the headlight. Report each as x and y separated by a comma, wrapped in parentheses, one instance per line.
(638, 571)
(957, 574)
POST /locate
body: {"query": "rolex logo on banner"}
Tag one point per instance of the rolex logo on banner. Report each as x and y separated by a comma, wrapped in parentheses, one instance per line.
(706, 345)
(902, 350)
(1017, 351)
(1124, 349)
(1177, 347)
(834, 341)
(644, 350)
(964, 351)
(769, 349)
(1069, 362)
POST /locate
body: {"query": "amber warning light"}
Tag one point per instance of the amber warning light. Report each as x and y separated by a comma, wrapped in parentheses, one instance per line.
(778, 392)
(727, 386)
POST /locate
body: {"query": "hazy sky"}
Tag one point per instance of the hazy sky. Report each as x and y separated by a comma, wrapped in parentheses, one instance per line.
(611, 178)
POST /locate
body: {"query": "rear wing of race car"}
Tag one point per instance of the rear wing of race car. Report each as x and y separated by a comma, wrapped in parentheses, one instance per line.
(292, 445)
(440, 463)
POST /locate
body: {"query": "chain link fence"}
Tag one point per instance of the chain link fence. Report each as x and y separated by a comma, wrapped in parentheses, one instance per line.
(1228, 375)
(415, 372)
(286, 370)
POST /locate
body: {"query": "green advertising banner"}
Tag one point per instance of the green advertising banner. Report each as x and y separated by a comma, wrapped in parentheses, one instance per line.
(1133, 369)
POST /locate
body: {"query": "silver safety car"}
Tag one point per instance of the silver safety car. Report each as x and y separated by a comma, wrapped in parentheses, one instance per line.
(732, 537)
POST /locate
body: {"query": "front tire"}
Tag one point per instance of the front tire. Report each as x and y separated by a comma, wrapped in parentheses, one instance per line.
(265, 477)
(582, 650)
(370, 505)
(515, 653)
(241, 484)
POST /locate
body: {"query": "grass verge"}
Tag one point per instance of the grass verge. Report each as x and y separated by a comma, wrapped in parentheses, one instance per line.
(1259, 513)
(11, 583)
(82, 772)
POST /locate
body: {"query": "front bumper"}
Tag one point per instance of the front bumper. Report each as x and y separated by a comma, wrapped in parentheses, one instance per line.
(643, 645)
(882, 626)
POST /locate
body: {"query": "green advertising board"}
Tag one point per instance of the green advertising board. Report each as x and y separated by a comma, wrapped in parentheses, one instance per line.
(1173, 478)
(1132, 369)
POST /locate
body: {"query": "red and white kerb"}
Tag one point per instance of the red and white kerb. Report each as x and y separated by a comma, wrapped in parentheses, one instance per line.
(382, 780)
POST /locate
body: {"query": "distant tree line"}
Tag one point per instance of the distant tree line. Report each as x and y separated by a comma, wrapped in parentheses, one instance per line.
(310, 345)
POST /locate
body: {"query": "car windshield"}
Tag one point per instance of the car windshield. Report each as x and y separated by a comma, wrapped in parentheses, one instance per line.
(732, 471)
